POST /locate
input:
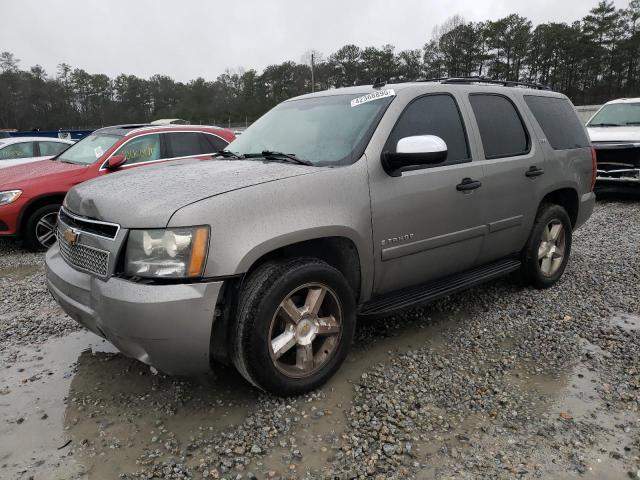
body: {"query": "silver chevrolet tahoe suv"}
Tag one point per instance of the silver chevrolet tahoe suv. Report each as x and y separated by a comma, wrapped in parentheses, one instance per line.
(340, 204)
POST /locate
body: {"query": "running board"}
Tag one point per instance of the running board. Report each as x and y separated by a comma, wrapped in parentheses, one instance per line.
(440, 288)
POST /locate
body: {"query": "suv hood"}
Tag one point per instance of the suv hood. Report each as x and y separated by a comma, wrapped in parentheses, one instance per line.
(615, 134)
(148, 197)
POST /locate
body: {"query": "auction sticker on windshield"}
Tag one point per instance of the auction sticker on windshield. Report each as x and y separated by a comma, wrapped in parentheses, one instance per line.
(373, 96)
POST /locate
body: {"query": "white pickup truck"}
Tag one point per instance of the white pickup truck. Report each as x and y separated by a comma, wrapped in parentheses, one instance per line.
(615, 134)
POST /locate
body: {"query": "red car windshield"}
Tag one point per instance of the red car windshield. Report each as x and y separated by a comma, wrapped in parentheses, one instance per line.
(89, 149)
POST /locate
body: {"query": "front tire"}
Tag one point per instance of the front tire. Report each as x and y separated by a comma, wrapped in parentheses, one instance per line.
(295, 324)
(40, 229)
(547, 252)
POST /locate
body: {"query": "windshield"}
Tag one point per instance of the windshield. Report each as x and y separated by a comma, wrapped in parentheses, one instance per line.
(88, 150)
(617, 115)
(321, 130)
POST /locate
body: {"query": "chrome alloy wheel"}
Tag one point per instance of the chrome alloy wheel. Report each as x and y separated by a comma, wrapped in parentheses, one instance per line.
(46, 229)
(552, 248)
(305, 330)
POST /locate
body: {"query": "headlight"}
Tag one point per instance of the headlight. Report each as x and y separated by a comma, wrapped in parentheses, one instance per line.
(9, 196)
(167, 253)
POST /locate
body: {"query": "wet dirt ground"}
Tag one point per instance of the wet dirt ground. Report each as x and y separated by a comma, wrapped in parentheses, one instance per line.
(46, 426)
(72, 407)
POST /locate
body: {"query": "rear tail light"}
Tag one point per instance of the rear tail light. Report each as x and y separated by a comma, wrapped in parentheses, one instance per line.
(594, 168)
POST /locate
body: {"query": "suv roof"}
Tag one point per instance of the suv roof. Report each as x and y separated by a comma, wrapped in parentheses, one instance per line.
(462, 83)
(133, 129)
(624, 100)
(121, 130)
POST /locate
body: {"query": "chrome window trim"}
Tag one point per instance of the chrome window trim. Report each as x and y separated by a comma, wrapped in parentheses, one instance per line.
(90, 220)
(103, 168)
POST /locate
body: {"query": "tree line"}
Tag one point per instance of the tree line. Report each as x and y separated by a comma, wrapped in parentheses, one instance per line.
(591, 60)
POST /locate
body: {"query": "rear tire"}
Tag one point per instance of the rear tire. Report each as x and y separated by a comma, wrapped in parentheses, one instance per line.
(295, 324)
(547, 252)
(40, 229)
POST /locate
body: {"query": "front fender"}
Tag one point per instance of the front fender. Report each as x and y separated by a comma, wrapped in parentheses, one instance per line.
(249, 223)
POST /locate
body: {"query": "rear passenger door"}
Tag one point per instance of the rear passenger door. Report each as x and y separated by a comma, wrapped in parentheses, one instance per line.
(512, 167)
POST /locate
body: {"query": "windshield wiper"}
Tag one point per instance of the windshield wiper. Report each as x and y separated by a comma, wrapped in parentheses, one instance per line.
(632, 123)
(227, 154)
(287, 157)
(605, 125)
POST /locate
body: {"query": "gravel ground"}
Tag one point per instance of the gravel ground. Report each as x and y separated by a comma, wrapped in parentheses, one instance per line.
(498, 382)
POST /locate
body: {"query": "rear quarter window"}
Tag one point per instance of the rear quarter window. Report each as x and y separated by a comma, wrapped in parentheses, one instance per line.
(558, 121)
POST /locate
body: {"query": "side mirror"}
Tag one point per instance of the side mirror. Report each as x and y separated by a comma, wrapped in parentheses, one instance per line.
(414, 151)
(116, 161)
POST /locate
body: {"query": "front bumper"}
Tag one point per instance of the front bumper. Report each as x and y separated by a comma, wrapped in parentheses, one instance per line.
(628, 176)
(167, 326)
(618, 163)
(9, 217)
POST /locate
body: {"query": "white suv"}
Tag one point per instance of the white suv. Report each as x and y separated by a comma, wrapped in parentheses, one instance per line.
(615, 133)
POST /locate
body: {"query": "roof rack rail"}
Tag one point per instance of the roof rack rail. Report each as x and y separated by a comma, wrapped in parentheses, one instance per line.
(478, 79)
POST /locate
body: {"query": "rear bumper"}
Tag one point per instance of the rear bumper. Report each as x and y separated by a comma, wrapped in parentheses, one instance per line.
(585, 209)
(167, 326)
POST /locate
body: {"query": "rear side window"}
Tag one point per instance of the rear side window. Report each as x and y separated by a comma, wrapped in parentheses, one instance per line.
(213, 143)
(184, 144)
(558, 121)
(433, 115)
(49, 149)
(501, 129)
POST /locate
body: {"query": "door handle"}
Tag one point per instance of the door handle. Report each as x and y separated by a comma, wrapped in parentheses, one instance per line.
(534, 171)
(468, 184)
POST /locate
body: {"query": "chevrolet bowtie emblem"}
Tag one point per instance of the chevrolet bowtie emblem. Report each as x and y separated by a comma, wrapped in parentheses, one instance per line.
(71, 236)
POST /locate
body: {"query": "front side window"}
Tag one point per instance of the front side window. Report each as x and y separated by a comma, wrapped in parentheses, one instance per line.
(144, 148)
(433, 115)
(324, 130)
(49, 149)
(558, 121)
(17, 150)
(617, 115)
(89, 149)
(501, 129)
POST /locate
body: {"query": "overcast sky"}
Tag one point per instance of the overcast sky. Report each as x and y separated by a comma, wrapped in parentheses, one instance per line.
(198, 38)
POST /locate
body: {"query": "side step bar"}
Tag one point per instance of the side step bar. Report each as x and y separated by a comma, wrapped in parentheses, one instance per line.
(440, 288)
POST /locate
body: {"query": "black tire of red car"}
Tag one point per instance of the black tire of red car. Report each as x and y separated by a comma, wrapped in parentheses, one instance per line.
(548, 248)
(40, 228)
(309, 355)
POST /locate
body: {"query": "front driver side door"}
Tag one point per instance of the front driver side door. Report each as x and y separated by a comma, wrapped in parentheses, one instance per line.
(424, 225)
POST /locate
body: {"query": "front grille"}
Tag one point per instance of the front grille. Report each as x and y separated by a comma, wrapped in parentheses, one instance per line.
(617, 158)
(83, 257)
(95, 227)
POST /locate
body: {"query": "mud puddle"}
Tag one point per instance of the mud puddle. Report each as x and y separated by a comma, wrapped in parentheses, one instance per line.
(20, 272)
(33, 394)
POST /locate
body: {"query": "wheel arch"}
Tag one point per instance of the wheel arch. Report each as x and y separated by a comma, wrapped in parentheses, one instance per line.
(338, 251)
(36, 203)
(567, 198)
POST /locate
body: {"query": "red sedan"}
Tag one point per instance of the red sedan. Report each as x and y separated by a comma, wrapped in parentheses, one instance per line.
(31, 194)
